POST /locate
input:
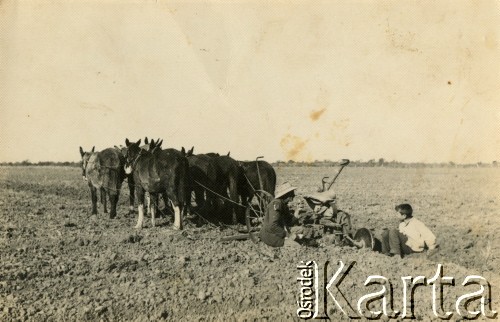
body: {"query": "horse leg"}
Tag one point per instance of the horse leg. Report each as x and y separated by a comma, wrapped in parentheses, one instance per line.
(199, 197)
(131, 197)
(233, 195)
(177, 217)
(140, 207)
(177, 211)
(147, 203)
(151, 204)
(113, 199)
(209, 202)
(245, 200)
(220, 204)
(157, 206)
(187, 208)
(166, 201)
(153, 198)
(104, 200)
(93, 197)
(212, 200)
(163, 213)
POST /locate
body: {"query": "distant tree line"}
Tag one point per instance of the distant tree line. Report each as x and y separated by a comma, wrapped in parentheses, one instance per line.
(41, 164)
(389, 164)
(325, 163)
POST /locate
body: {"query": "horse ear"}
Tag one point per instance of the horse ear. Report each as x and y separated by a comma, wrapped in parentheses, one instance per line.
(81, 152)
(146, 140)
(127, 142)
(93, 149)
(228, 153)
(183, 151)
(159, 144)
(138, 142)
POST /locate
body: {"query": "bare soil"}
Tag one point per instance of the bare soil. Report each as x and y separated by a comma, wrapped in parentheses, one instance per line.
(60, 263)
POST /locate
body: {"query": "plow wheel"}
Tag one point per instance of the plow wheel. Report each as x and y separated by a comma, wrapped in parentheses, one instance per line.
(254, 214)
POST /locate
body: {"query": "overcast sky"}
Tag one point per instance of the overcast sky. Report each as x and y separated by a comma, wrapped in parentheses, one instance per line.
(401, 80)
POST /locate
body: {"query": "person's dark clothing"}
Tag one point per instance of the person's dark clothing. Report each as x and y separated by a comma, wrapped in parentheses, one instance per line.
(394, 243)
(273, 231)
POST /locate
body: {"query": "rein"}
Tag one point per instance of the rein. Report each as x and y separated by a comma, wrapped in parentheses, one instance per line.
(134, 163)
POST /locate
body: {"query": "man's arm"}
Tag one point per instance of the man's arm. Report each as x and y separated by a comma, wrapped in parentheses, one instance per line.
(428, 237)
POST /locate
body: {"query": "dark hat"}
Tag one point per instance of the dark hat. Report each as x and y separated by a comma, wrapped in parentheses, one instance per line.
(404, 209)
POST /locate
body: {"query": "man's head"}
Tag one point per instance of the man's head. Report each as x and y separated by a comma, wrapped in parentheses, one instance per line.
(285, 192)
(405, 210)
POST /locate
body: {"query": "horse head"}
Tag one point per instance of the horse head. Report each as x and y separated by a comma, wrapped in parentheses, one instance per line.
(122, 149)
(189, 152)
(149, 145)
(155, 146)
(85, 159)
(134, 151)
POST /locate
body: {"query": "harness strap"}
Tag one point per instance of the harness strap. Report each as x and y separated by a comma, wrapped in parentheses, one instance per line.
(134, 163)
(215, 193)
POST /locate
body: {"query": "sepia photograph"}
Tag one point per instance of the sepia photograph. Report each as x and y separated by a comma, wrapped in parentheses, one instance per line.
(217, 160)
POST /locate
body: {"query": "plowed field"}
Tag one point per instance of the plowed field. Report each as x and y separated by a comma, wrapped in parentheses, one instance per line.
(60, 263)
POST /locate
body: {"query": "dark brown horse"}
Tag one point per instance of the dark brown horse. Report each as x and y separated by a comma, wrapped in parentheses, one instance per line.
(165, 172)
(149, 145)
(228, 173)
(104, 171)
(256, 176)
(130, 181)
(205, 182)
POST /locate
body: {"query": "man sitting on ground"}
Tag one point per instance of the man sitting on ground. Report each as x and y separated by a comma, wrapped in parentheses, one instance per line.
(413, 236)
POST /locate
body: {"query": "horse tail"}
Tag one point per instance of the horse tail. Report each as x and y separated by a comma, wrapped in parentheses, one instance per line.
(115, 180)
(272, 181)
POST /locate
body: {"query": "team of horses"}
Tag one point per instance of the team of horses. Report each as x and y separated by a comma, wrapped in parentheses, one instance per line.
(222, 186)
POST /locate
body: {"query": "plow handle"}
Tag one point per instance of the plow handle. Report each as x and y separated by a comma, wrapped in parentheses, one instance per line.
(343, 163)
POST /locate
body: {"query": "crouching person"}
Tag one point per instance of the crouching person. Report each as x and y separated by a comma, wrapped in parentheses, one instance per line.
(413, 236)
(278, 217)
